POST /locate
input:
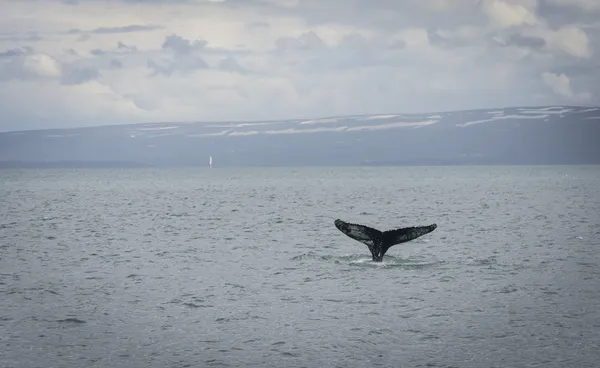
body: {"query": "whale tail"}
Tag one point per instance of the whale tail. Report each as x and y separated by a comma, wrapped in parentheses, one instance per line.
(379, 242)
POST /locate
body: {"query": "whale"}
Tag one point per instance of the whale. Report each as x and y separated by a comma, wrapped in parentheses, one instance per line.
(380, 241)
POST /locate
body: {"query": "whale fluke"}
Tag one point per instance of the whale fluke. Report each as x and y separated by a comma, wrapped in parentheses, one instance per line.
(379, 242)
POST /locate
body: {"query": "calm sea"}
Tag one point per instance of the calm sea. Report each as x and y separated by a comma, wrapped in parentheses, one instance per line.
(244, 268)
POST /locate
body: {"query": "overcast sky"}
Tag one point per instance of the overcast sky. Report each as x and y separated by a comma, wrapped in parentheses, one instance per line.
(70, 63)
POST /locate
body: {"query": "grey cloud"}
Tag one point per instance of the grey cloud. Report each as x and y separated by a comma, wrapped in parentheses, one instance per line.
(438, 38)
(113, 30)
(308, 53)
(14, 37)
(577, 70)
(306, 41)
(356, 51)
(27, 65)
(559, 15)
(380, 14)
(181, 45)
(183, 65)
(122, 46)
(584, 76)
(152, 2)
(166, 70)
(78, 75)
(115, 64)
(254, 26)
(143, 2)
(526, 41)
(231, 65)
(15, 52)
(12, 64)
(513, 37)
(355, 41)
(12, 69)
(97, 52)
(143, 103)
(349, 43)
(185, 56)
(397, 45)
(83, 37)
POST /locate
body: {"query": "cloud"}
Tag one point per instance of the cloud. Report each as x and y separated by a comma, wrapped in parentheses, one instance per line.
(306, 41)
(12, 37)
(507, 14)
(526, 41)
(115, 64)
(42, 65)
(587, 5)
(83, 37)
(185, 56)
(231, 65)
(75, 75)
(161, 60)
(26, 65)
(124, 47)
(561, 85)
(571, 40)
(258, 26)
(15, 52)
(122, 29)
(180, 45)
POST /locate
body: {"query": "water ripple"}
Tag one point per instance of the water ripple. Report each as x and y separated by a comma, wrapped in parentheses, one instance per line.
(228, 268)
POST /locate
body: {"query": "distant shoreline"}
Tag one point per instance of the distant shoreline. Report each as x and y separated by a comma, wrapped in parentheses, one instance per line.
(133, 165)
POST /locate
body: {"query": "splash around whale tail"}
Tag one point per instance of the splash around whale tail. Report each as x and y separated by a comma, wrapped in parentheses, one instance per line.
(379, 242)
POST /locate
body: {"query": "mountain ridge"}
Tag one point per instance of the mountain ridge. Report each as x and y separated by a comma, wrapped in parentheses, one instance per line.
(512, 135)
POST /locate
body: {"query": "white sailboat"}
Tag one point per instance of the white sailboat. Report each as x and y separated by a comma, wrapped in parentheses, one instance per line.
(210, 161)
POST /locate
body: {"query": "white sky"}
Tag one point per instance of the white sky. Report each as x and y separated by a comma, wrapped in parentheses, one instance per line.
(91, 62)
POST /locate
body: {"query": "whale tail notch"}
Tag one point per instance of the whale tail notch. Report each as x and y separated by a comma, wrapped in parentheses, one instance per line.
(379, 242)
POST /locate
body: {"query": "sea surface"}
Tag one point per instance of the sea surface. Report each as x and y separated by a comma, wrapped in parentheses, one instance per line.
(229, 267)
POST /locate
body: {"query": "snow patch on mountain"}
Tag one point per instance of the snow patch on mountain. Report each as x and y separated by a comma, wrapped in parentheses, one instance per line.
(320, 121)
(377, 117)
(62, 135)
(289, 131)
(542, 111)
(240, 125)
(393, 125)
(549, 108)
(589, 110)
(495, 118)
(157, 128)
(221, 133)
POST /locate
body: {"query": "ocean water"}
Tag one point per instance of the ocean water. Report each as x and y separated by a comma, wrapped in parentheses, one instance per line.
(244, 268)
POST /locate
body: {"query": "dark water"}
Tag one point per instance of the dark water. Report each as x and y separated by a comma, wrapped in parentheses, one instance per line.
(230, 267)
